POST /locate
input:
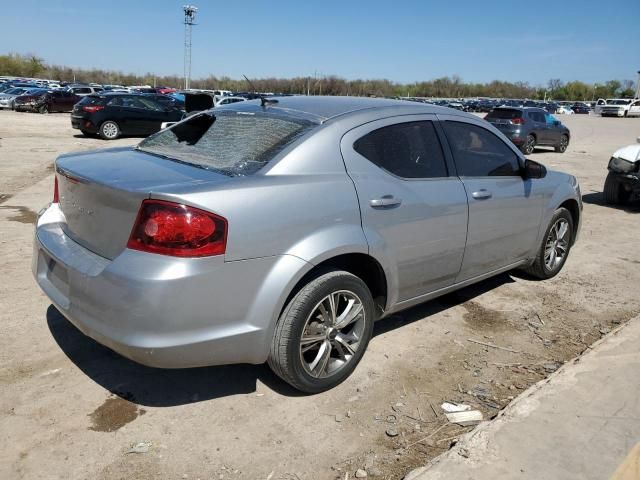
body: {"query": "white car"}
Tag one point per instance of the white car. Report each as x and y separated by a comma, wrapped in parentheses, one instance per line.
(229, 100)
(565, 110)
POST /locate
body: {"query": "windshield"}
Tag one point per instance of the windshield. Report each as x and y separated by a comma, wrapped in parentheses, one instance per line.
(232, 143)
(618, 102)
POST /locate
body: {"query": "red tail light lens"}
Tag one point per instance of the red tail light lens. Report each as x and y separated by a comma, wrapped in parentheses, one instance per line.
(92, 108)
(517, 121)
(177, 230)
(56, 196)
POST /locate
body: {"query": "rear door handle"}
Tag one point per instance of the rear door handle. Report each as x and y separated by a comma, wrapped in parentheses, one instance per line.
(481, 194)
(385, 201)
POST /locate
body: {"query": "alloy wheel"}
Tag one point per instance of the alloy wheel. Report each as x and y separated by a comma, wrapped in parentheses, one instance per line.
(557, 244)
(110, 130)
(564, 143)
(530, 145)
(332, 333)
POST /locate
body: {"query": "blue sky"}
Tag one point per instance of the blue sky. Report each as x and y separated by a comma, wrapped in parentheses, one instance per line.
(402, 40)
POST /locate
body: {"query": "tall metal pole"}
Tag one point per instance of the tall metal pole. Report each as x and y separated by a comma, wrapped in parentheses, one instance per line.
(189, 21)
(638, 87)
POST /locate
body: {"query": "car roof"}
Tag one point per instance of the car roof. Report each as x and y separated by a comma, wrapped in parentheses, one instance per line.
(323, 108)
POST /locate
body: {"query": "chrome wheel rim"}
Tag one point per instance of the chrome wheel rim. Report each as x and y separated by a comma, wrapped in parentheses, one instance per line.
(110, 130)
(563, 143)
(332, 333)
(557, 244)
(530, 144)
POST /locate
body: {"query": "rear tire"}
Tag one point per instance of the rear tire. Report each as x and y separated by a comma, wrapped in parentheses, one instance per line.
(614, 192)
(109, 130)
(555, 248)
(562, 146)
(44, 109)
(529, 145)
(313, 349)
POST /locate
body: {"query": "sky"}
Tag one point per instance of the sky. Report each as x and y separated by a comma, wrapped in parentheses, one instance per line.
(402, 40)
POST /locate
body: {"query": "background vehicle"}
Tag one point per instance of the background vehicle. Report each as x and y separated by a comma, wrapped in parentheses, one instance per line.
(50, 101)
(83, 90)
(229, 100)
(564, 110)
(142, 247)
(529, 127)
(113, 114)
(28, 100)
(622, 184)
(581, 108)
(618, 107)
(8, 97)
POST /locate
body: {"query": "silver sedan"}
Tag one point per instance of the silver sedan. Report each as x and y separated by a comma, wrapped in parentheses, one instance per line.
(280, 229)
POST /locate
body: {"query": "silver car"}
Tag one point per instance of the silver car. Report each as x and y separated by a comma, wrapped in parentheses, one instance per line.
(8, 97)
(279, 230)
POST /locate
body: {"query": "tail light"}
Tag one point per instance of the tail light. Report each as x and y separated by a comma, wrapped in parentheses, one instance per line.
(92, 108)
(56, 196)
(177, 230)
(517, 121)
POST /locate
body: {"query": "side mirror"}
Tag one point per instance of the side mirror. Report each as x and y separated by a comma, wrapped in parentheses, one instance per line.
(533, 170)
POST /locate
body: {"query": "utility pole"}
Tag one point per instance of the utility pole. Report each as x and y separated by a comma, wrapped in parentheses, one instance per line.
(637, 95)
(189, 21)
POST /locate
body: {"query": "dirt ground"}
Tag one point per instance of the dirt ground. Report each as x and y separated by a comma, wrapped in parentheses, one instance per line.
(71, 409)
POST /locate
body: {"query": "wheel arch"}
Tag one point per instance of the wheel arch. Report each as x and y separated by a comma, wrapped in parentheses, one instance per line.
(574, 209)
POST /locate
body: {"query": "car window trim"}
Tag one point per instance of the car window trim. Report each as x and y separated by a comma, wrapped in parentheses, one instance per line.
(393, 120)
(492, 130)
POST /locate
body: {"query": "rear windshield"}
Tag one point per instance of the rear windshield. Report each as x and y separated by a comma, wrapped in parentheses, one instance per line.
(91, 100)
(505, 113)
(232, 143)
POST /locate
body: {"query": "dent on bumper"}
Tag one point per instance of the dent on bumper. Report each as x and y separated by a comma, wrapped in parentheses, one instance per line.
(162, 311)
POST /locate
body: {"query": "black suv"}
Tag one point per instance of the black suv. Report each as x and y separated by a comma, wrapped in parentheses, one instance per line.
(113, 114)
(529, 127)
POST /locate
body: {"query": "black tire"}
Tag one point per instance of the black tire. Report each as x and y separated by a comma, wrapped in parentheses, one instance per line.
(43, 109)
(564, 143)
(614, 191)
(285, 357)
(538, 268)
(109, 130)
(529, 145)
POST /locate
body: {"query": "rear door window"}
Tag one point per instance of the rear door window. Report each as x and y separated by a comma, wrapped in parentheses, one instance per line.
(537, 117)
(232, 143)
(479, 153)
(407, 150)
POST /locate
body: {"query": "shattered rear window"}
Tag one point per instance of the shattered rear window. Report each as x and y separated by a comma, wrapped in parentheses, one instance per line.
(232, 143)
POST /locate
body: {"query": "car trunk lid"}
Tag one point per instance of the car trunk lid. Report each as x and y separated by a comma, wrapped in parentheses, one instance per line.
(100, 193)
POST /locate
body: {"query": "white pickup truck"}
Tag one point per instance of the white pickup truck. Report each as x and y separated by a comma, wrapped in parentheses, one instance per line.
(618, 107)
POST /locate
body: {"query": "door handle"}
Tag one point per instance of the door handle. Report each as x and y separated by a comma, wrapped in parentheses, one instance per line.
(385, 201)
(481, 194)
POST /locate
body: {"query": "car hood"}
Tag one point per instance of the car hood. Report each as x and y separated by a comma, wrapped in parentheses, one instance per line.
(630, 153)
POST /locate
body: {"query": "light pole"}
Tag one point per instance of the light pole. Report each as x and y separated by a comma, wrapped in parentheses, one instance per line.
(189, 21)
(637, 95)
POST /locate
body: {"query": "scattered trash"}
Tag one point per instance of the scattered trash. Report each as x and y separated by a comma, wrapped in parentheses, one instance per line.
(141, 447)
(392, 432)
(551, 367)
(270, 476)
(463, 452)
(259, 394)
(50, 372)
(360, 473)
(451, 407)
(339, 417)
(465, 418)
(604, 330)
(391, 419)
(485, 344)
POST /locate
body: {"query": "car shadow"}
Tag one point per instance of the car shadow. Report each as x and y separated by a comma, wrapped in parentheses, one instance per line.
(158, 387)
(597, 198)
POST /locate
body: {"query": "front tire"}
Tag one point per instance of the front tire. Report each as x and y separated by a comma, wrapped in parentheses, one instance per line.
(614, 191)
(529, 145)
(109, 130)
(323, 332)
(44, 109)
(556, 244)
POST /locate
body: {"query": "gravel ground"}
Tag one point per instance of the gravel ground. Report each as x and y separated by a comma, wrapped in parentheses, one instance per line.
(72, 409)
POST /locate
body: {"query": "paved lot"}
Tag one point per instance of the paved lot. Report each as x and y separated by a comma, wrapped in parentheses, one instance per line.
(71, 409)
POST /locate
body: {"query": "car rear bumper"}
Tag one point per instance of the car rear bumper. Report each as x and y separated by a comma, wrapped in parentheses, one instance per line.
(80, 123)
(163, 311)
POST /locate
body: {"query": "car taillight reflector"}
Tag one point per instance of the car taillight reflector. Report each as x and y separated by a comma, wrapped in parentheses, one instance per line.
(92, 108)
(56, 196)
(178, 230)
(517, 121)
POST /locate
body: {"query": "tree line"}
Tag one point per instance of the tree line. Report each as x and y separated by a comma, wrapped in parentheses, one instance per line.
(32, 66)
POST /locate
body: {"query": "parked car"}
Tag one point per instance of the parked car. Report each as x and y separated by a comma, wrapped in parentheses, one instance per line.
(215, 241)
(111, 115)
(28, 99)
(581, 108)
(8, 97)
(619, 107)
(564, 110)
(530, 127)
(83, 90)
(48, 101)
(229, 100)
(622, 184)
